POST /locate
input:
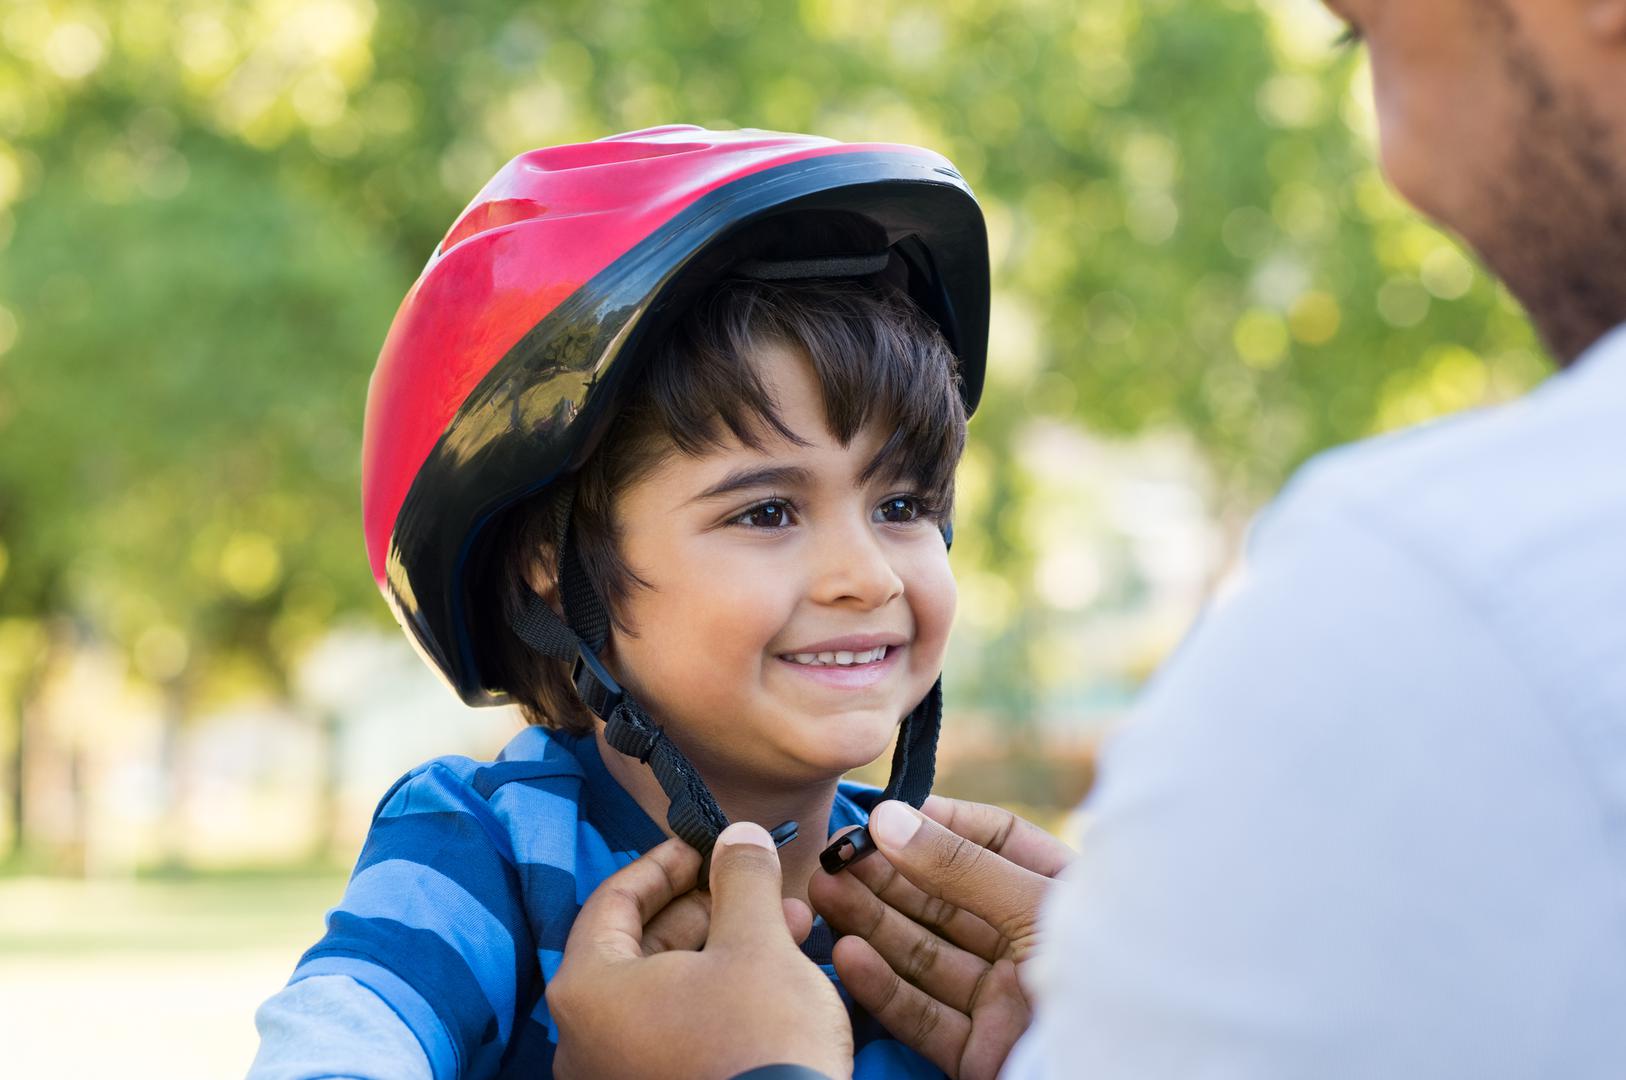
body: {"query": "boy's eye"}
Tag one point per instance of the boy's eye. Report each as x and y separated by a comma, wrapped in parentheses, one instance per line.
(769, 515)
(899, 509)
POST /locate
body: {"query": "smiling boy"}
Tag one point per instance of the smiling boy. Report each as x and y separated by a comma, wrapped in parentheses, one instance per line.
(692, 519)
(793, 608)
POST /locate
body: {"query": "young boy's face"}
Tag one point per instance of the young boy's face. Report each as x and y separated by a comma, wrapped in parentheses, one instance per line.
(758, 558)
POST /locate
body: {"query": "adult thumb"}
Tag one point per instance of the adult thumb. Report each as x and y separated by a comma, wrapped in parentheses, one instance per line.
(745, 889)
(969, 876)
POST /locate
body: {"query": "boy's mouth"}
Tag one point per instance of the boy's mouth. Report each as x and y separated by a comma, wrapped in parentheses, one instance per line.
(844, 669)
(838, 658)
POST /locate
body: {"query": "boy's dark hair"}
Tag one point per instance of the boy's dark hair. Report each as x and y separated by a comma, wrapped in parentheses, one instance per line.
(874, 355)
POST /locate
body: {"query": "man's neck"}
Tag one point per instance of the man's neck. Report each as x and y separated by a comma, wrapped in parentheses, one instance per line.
(769, 806)
(1611, 340)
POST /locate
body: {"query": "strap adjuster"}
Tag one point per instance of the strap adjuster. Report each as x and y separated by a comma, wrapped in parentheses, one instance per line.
(594, 684)
(629, 732)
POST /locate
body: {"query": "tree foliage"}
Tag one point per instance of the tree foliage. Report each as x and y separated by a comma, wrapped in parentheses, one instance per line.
(211, 208)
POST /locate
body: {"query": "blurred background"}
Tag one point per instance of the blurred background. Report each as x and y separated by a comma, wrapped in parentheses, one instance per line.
(209, 210)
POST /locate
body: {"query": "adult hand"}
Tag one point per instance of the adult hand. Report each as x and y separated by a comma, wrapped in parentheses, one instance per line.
(940, 924)
(629, 1003)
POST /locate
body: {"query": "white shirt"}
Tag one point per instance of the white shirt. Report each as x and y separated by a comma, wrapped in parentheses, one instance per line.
(1370, 820)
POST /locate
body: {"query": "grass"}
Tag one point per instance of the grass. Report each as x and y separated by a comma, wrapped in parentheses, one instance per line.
(167, 970)
(42, 916)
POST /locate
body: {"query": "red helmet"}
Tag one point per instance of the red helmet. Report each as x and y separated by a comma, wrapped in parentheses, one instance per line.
(505, 359)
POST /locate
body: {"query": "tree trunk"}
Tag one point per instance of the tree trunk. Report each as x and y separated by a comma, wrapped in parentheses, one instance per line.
(332, 779)
(38, 657)
(172, 779)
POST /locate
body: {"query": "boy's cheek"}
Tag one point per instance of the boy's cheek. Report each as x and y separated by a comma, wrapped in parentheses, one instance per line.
(935, 600)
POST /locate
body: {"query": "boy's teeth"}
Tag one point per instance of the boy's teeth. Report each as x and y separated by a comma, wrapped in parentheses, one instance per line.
(840, 659)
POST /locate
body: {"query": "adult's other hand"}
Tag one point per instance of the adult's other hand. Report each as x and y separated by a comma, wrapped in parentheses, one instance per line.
(939, 925)
(750, 998)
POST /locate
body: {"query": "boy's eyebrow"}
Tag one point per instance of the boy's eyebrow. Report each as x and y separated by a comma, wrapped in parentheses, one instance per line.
(765, 476)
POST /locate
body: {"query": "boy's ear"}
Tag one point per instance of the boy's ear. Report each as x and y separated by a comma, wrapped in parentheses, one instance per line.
(539, 576)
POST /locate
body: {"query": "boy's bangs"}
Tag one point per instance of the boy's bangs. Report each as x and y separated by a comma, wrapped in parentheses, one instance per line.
(875, 357)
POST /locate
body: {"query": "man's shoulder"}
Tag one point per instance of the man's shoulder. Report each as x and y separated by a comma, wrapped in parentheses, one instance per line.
(1512, 517)
(1489, 492)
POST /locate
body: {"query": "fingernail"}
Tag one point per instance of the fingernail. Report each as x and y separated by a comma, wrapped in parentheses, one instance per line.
(746, 832)
(893, 823)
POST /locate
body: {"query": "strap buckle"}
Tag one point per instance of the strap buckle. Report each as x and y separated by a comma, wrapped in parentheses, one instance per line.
(594, 684)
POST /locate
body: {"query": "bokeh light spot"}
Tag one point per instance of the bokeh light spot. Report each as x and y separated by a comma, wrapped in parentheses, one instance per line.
(1314, 318)
(250, 564)
(161, 652)
(1260, 338)
(74, 50)
(1290, 100)
(1447, 273)
(1403, 302)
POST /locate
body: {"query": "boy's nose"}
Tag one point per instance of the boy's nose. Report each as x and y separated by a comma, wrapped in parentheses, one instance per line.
(853, 568)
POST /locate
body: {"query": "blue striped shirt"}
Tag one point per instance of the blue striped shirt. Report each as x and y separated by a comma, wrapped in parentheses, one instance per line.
(471, 875)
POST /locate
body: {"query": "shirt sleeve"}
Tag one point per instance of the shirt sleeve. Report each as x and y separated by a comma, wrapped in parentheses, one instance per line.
(432, 923)
(1336, 840)
(330, 1027)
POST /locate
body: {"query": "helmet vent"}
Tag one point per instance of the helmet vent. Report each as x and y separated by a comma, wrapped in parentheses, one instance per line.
(488, 216)
(603, 152)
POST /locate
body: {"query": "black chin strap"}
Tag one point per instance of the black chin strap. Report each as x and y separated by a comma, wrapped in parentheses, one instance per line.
(692, 813)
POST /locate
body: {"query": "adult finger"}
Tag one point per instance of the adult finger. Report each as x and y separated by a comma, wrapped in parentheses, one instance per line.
(914, 1017)
(798, 919)
(1001, 832)
(746, 910)
(952, 923)
(946, 972)
(961, 927)
(949, 866)
(1002, 1015)
(613, 917)
(679, 926)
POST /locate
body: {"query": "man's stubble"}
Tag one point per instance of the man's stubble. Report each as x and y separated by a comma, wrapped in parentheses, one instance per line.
(1555, 215)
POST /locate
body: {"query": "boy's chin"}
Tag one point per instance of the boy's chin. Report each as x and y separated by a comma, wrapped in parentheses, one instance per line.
(841, 745)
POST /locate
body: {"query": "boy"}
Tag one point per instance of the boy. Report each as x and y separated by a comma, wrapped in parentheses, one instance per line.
(660, 447)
